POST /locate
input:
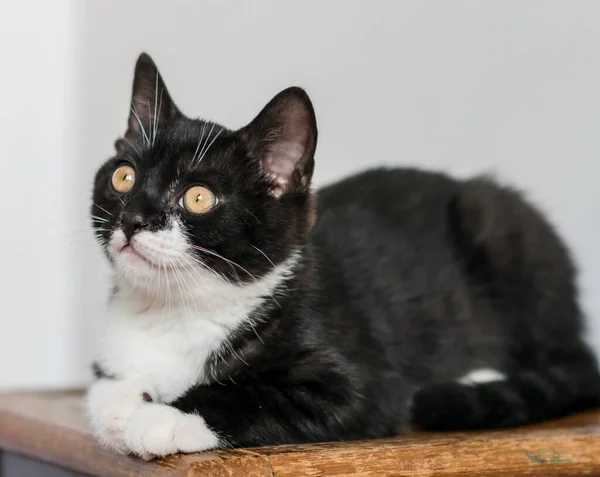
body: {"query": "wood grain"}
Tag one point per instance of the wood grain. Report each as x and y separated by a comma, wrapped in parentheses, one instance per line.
(51, 427)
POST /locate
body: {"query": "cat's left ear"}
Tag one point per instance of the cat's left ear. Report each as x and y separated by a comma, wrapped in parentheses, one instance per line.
(283, 138)
(150, 106)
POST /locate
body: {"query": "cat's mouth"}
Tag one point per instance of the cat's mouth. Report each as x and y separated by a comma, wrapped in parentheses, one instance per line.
(129, 249)
(148, 254)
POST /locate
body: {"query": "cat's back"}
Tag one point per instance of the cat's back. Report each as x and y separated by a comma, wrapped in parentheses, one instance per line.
(387, 229)
(377, 201)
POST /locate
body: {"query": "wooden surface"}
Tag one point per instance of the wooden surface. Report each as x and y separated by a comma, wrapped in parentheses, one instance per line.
(51, 427)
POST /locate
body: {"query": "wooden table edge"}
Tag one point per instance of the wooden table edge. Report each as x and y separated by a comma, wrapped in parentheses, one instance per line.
(561, 451)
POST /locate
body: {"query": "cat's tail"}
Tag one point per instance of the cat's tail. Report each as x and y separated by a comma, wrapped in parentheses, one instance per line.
(526, 397)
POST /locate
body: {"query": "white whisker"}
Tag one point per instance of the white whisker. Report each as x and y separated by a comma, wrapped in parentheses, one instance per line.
(274, 267)
(251, 323)
(151, 142)
(140, 123)
(199, 142)
(155, 107)
(182, 295)
(230, 262)
(211, 143)
(168, 291)
(133, 147)
(159, 108)
(206, 141)
(199, 262)
(102, 208)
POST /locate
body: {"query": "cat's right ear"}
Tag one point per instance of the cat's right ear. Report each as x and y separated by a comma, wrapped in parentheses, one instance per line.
(283, 138)
(150, 105)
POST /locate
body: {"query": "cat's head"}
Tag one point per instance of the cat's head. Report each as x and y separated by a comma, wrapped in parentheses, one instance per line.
(188, 198)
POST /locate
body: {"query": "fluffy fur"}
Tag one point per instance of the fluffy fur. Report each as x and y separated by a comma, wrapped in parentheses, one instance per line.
(396, 297)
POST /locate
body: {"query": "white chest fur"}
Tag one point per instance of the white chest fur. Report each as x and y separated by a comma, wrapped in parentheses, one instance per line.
(165, 346)
(166, 354)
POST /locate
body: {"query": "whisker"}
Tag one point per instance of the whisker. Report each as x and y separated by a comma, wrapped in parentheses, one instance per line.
(181, 294)
(231, 262)
(140, 123)
(211, 143)
(102, 208)
(168, 305)
(199, 142)
(151, 122)
(158, 117)
(177, 268)
(251, 323)
(255, 217)
(208, 301)
(214, 272)
(207, 138)
(134, 148)
(155, 104)
(201, 263)
(185, 282)
(274, 267)
(232, 349)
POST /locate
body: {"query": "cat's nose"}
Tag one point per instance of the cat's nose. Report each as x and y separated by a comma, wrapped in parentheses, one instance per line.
(132, 222)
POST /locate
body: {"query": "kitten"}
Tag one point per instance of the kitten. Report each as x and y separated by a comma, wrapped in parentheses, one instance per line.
(249, 311)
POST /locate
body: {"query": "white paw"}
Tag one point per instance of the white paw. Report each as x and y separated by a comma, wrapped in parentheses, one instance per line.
(110, 406)
(157, 430)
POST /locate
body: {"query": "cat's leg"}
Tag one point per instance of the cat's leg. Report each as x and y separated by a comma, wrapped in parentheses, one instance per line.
(251, 414)
(110, 404)
(125, 419)
(157, 430)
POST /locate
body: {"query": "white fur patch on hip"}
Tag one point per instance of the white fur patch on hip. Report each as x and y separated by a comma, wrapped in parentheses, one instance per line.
(481, 376)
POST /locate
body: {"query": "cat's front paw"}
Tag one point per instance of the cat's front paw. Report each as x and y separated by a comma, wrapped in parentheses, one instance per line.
(157, 430)
(111, 404)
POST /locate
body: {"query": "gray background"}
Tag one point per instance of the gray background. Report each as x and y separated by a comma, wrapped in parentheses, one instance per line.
(510, 87)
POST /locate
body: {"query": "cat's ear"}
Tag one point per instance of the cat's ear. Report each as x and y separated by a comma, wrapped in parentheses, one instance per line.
(150, 105)
(283, 138)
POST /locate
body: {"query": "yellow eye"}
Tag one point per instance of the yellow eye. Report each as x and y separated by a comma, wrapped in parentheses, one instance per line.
(123, 179)
(198, 200)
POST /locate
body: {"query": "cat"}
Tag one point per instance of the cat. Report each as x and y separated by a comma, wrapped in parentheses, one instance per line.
(248, 310)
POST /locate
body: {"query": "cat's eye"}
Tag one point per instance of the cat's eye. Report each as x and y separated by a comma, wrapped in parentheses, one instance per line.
(198, 200)
(123, 178)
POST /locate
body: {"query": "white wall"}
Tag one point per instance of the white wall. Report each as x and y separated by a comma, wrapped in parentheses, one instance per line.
(38, 318)
(466, 86)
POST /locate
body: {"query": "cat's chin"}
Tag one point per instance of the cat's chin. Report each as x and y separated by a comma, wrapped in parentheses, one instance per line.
(134, 267)
(136, 275)
(135, 255)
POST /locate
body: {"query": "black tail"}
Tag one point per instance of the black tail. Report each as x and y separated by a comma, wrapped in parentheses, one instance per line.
(527, 397)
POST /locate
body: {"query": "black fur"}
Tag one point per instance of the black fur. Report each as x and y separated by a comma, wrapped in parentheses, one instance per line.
(408, 280)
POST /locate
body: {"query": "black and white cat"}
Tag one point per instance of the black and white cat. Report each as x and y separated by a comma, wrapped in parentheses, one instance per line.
(248, 310)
